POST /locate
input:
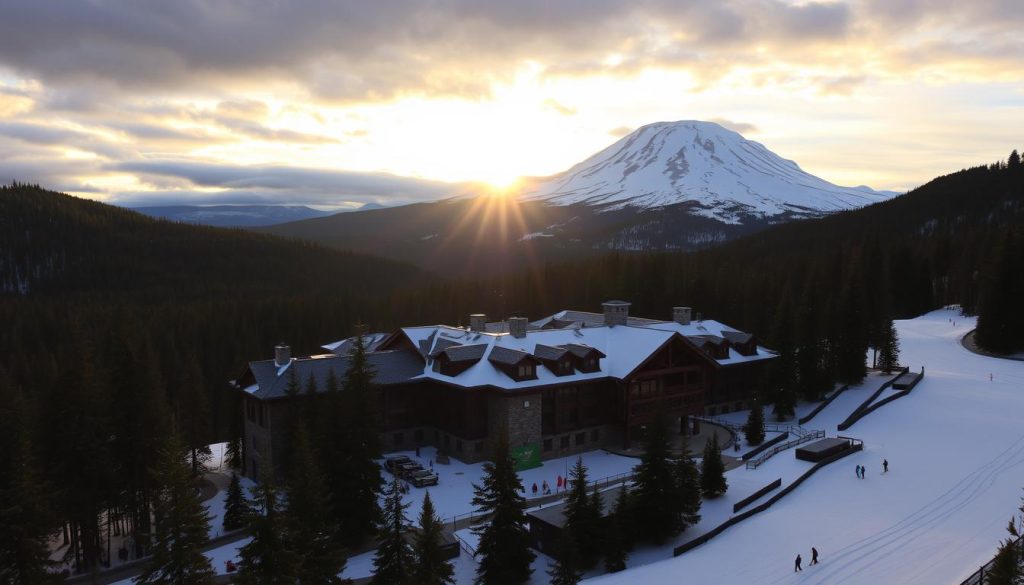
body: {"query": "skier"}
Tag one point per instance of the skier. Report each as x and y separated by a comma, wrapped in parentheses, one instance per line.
(856, 471)
(797, 567)
(885, 465)
(814, 556)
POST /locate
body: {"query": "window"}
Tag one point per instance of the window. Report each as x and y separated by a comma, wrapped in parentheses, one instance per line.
(565, 442)
(565, 367)
(595, 435)
(581, 438)
(436, 366)
(547, 445)
(525, 371)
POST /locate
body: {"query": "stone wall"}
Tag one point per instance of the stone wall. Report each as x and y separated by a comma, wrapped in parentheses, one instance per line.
(519, 416)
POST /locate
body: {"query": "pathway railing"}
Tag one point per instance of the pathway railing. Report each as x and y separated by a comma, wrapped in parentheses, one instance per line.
(808, 436)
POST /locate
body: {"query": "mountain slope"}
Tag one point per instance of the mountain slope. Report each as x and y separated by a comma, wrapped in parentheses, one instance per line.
(233, 215)
(52, 243)
(719, 173)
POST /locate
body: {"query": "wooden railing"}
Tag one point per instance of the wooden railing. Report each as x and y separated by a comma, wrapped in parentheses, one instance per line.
(808, 436)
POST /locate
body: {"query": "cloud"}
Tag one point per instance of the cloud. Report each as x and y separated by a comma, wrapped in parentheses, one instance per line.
(560, 107)
(273, 183)
(620, 131)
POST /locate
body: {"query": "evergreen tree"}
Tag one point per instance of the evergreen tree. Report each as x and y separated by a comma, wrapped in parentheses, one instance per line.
(566, 570)
(712, 470)
(393, 563)
(267, 559)
(851, 325)
(504, 546)
(617, 534)
(889, 350)
(655, 486)
(754, 429)
(320, 558)
(1006, 568)
(687, 492)
(782, 373)
(191, 410)
(237, 511)
(26, 521)
(1014, 161)
(1000, 312)
(181, 528)
(430, 566)
(583, 516)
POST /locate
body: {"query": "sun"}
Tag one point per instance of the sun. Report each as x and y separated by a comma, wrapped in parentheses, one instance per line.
(502, 184)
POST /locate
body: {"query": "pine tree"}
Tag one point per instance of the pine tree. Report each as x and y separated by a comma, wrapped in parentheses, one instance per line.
(617, 534)
(712, 470)
(1014, 161)
(267, 559)
(181, 528)
(320, 558)
(26, 519)
(754, 429)
(237, 511)
(430, 566)
(393, 563)
(687, 492)
(889, 350)
(1006, 568)
(504, 547)
(583, 516)
(566, 570)
(1000, 312)
(783, 370)
(655, 486)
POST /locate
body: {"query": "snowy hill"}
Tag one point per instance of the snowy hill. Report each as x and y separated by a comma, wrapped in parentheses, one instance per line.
(233, 215)
(719, 173)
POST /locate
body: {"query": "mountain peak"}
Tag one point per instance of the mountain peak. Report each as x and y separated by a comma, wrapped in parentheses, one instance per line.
(721, 174)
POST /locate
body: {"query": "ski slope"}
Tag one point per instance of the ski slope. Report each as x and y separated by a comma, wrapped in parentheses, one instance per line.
(956, 453)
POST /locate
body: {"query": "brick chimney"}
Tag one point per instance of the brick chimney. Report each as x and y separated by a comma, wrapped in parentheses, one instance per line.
(478, 322)
(615, 312)
(682, 315)
(517, 326)
(282, 354)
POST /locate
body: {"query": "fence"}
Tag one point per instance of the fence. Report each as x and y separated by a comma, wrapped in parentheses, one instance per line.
(768, 454)
(984, 573)
(465, 545)
(835, 394)
(866, 407)
(754, 496)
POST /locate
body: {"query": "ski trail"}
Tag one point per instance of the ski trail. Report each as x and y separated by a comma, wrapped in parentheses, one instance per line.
(899, 535)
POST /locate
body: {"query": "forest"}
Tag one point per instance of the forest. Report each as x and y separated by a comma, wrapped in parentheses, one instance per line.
(120, 331)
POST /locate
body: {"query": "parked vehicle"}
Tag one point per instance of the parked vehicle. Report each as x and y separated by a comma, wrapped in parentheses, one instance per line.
(423, 478)
(392, 463)
(405, 469)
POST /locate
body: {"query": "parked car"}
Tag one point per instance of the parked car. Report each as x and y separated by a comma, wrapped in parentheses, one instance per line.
(405, 469)
(392, 463)
(423, 478)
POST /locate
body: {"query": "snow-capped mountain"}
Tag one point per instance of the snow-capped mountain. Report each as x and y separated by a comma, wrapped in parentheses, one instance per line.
(717, 172)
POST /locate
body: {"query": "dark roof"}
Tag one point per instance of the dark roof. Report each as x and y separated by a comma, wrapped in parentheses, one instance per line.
(507, 356)
(390, 367)
(555, 513)
(464, 353)
(371, 341)
(737, 337)
(549, 352)
(441, 345)
(589, 319)
(424, 345)
(581, 350)
(703, 339)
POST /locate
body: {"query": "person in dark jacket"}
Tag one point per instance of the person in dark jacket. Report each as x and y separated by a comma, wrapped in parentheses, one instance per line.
(814, 556)
(885, 465)
(797, 567)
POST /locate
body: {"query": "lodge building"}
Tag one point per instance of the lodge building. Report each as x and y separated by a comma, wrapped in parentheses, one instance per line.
(570, 382)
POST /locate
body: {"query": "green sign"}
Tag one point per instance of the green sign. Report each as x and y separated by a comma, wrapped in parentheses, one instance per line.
(526, 456)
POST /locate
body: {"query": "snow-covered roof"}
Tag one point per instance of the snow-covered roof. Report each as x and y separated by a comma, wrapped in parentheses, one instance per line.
(344, 346)
(271, 380)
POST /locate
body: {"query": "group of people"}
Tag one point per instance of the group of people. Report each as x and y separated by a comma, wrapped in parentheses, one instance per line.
(814, 560)
(545, 489)
(860, 469)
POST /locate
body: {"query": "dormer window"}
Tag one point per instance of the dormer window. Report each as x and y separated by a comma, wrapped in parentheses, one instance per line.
(526, 371)
(591, 364)
(565, 367)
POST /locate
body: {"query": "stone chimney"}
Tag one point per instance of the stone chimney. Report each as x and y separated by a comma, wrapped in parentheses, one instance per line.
(282, 354)
(478, 322)
(517, 326)
(682, 315)
(615, 312)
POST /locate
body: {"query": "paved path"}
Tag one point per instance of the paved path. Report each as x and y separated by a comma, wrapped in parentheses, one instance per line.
(971, 345)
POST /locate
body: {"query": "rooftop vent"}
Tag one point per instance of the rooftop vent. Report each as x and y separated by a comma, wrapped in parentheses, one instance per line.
(282, 354)
(478, 322)
(517, 327)
(682, 315)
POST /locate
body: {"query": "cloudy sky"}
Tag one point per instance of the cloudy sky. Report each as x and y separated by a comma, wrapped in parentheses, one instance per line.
(340, 102)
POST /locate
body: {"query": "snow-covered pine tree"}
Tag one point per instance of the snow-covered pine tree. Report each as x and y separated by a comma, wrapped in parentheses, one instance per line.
(582, 520)
(688, 491)
(393, 563)
(617, 534)
(754, 429)
(181, 529)
(319, 556)
(430, 566)
(504, 548)
(566, 570)
(655, 486)
(712, 470)
(267, 559)
(237, 511)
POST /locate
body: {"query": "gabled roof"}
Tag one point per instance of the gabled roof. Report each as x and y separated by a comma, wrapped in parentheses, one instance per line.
(441, 345)
(389, 367)
(465, 353)
(581, 351)
(569, 318)
(370, 343)
(509, 357)
(737, 337)
(549, 352)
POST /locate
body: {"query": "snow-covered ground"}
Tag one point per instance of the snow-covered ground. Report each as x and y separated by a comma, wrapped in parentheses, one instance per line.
(956, 453)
